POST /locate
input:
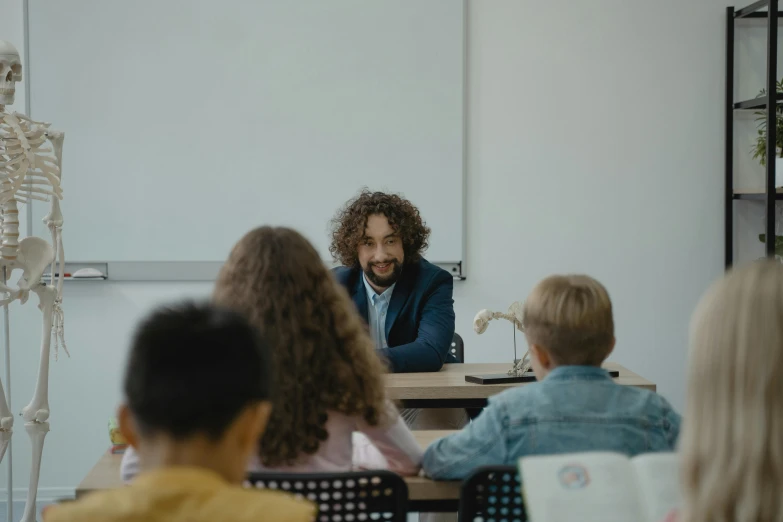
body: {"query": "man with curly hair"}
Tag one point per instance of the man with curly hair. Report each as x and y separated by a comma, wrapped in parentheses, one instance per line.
(406, 301)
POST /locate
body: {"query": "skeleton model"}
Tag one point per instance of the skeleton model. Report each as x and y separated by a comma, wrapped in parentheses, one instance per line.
(29, 170)
(514, 314)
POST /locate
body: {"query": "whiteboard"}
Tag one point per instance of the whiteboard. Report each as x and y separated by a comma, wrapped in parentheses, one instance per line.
(189, 122)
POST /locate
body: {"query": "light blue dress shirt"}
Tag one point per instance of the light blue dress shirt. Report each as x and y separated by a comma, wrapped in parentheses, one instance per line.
(376, 312)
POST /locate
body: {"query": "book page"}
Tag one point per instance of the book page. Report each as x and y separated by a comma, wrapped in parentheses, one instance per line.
(658, 476)
(588, 487)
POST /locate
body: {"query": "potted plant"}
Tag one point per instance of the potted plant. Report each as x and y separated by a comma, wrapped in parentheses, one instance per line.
(760, 147)
(760, 152)
(778, 244)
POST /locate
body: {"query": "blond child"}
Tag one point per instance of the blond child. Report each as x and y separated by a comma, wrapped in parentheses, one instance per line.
(575, 405)
(732, 440)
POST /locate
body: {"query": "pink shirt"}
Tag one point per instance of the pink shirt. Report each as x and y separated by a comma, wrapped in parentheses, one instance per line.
(352, 445)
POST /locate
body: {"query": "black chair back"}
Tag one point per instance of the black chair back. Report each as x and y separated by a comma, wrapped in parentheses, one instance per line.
(458, 348)
(356, 496)
(492, 494)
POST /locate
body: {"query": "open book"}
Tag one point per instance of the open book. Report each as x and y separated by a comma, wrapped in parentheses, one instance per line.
(600, 487)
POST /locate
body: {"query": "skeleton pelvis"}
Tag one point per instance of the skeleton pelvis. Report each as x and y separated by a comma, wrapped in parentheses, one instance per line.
(35, 254)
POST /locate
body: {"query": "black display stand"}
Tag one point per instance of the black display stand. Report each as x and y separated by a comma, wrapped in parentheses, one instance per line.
(502, 378)
(770, 105)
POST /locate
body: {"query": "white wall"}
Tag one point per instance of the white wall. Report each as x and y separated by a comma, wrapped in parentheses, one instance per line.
(595, 145)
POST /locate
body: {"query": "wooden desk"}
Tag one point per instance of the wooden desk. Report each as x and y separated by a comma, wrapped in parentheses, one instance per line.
(424, 494)
(427, 495)
(448, 389)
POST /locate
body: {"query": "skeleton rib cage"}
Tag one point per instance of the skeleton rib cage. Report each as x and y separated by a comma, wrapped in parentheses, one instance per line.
(26, 160)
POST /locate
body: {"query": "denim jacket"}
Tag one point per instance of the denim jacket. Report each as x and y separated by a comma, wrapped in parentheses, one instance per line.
(573, 409)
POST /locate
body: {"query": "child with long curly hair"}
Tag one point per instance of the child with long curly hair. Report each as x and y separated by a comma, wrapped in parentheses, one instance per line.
(329, 380)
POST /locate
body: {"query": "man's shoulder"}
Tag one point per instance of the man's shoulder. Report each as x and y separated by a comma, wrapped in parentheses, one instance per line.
(425, 272)
(345, 275)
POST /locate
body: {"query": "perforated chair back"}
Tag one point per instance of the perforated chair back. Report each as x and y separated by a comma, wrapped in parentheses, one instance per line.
(458, 348)
(492, 494)
(357, 496)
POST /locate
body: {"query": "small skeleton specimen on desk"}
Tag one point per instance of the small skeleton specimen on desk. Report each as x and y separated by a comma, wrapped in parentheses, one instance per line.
(30, 169)
(514, 315)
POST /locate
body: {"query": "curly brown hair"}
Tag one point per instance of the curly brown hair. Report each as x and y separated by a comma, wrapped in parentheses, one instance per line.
(324, 358)
(349, 224)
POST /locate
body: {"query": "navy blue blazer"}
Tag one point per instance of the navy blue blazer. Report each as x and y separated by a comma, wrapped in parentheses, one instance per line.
(420, 319)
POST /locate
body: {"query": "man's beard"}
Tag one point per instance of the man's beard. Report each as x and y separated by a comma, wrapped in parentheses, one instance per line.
(383, 281)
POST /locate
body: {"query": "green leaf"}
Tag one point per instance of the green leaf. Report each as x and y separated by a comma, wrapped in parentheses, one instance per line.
(759, 151)
(778, 240)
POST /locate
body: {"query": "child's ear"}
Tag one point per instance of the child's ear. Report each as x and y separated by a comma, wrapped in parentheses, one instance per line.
(255, 419)
(127, 425)
(542, 355)
(263, 411)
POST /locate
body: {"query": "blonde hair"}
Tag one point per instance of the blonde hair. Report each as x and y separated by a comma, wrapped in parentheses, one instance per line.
(732, 440)
(571, 317)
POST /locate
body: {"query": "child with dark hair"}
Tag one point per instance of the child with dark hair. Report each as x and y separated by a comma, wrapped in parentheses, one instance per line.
(198, 397)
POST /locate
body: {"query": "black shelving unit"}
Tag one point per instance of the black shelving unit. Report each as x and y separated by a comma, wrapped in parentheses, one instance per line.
(769, 104)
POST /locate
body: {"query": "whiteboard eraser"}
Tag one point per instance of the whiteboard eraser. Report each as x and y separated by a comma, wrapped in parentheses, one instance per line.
(87, 272)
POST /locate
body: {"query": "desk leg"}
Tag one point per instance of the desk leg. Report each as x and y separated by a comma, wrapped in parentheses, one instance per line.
(433, 506)
(473, 412)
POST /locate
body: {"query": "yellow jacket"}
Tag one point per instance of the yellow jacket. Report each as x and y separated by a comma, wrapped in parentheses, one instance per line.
(183, 495)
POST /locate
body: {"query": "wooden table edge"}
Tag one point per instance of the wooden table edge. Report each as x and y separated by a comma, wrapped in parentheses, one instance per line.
(423, 488)
(404, 387)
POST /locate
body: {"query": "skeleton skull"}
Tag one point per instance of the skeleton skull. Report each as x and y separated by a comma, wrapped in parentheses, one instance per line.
(10, 72)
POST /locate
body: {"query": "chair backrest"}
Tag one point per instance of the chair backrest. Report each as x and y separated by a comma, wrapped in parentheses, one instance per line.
(492, 494)
(356, 496)
(458, 348)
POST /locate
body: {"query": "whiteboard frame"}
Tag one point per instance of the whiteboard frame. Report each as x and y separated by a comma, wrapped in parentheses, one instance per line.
(181, 271)
(208, 270)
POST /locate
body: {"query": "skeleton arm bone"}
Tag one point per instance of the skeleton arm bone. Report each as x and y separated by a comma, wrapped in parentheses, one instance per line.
(54, 221)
